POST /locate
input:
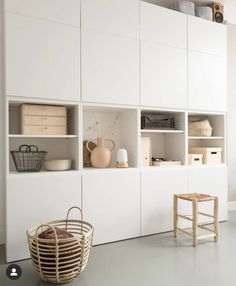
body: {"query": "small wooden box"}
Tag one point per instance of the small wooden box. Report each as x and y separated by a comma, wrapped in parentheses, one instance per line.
(210, 155)
(43, 119)
(195, 159)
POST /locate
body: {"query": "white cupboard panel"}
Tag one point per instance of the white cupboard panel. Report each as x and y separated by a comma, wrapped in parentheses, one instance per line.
(163, 76)
(111, 16)
(42, 59)
(206, 36)
(162, 25)
(111, 202)
(34, 199)
(207, 82)
(63, 11)
(110, 69)
(211, 181)
(157, 190)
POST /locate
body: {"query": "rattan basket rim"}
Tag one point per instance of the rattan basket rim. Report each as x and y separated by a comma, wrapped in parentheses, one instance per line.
(31, 232)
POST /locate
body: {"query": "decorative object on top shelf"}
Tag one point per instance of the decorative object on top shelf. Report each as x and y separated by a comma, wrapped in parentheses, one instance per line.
(199, 127)
(60, 249)
(161, 162)
(204, 12)
(195, 159)
(157, 121)
(28, 158)
(87, 154)
(122, 159)
(218, 12)
(37, 119)
(58, 164)
(185, 7)
(211, 155)
(101, 155)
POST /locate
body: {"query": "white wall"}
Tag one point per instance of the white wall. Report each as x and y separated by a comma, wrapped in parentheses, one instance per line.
(232, 111)
(1, 133)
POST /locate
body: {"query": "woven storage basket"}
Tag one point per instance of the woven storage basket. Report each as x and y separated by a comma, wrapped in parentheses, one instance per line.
(59, 260)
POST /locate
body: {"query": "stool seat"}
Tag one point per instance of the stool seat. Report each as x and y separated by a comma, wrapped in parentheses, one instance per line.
(196, 196)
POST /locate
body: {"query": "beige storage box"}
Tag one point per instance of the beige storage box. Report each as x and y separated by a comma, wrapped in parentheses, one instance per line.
(146, 151)
(195, 159)
(43, 119)
(210, 155)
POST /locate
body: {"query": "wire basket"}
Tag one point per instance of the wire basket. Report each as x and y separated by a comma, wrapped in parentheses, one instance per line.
(28, 158)
(60, 260)
(157, 122)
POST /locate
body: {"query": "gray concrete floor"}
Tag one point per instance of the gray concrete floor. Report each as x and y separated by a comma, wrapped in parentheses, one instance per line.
(152, 261)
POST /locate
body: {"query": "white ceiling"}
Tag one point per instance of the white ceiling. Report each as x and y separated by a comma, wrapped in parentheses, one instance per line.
(230, 6)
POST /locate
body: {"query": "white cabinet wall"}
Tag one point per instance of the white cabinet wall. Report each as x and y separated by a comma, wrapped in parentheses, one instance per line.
(163, 65)
(206, 82)
(33, 199)
(120, 17)
(163, 76)
(110, 68)
(62, 11)
(163, 26)
(157, 190)
(212, 181)
(42, 59)
(111, 202)
(206, 65)
(206, 36)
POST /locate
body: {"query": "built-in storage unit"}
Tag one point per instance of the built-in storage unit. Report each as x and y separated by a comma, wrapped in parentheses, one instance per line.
(143, 73)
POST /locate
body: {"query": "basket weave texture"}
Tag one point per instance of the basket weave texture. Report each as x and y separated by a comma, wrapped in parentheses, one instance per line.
(60, 260)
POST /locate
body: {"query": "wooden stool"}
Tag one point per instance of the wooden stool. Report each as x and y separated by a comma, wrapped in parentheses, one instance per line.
(195, 199)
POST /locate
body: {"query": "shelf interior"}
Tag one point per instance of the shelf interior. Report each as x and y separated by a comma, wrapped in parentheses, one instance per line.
(119, 125)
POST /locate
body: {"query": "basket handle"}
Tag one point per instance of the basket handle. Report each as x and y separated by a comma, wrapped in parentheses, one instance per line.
(28, 148)
(81, 216)
(56, 249)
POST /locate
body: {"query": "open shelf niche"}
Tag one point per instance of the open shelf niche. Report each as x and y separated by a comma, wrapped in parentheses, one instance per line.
(117, 124)
(217, 122)
(57, 146)
(166, 143)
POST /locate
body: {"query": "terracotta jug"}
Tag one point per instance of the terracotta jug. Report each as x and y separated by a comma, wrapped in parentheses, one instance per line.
(101, 155)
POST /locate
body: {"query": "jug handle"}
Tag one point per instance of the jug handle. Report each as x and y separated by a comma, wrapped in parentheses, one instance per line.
(87, 146)
(113, 147)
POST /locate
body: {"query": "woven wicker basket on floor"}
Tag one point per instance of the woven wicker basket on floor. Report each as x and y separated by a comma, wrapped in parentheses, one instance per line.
(60, 260)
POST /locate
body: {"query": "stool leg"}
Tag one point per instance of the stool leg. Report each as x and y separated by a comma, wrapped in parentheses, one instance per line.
(216, 223)
(195, 219)
(175, 215)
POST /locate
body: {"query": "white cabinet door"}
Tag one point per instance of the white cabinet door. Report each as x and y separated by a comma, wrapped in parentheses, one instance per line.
(34, 199)
(62, 11)
(157, 190)
(162, 25)
(111, 202)
(211, 181)
(163, 76)
(111, 16)
(110, 69)
(206, 36)
(42, 59)
(207, 82)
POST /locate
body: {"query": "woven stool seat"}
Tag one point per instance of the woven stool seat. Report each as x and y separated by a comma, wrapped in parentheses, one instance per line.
(197, 197)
